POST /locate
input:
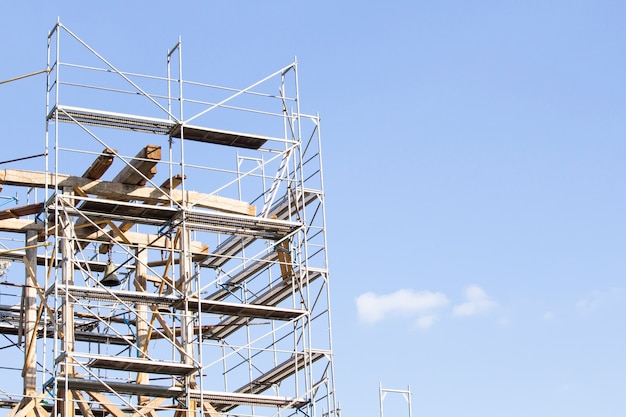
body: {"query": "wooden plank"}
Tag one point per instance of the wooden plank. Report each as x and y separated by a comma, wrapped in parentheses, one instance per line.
(18, 212)
(125, 192)
(118, 233)
(19, 225)
(145, 162)
(36, 179)
(100, 165)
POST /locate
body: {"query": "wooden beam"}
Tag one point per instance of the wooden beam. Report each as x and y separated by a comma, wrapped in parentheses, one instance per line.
(19, 225)
(137, 172)
(100, 165)
(145, 162)
(83, 405)
(106, 404)
(124, 192)
(149, 409)
(26, 408)
(40, 411)
(18, 407)
(284, 258)
(42, 294)
(18, 212)
(118, 233)
(169, 184)
(36, 179)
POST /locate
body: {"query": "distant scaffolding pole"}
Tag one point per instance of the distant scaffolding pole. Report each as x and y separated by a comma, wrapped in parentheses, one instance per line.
(21, 77)
(405, 393)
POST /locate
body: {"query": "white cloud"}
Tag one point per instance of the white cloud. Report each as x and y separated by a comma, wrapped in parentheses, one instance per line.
(549, 316)
(504, 321)
(373, 308)
(476, 302)
(426, 321)
(598, 299)
(590, 303)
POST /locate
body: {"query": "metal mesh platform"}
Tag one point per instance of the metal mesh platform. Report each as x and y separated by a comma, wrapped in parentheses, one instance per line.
(102, 294)
(219, 400)
(242, 310)
(282, 210)
(90, 117)
(120, 363)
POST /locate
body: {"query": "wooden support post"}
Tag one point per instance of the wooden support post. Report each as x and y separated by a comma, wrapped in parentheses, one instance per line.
(185, 285)
(30, 315)
(283, 251)
(141, 255)
(67, 311)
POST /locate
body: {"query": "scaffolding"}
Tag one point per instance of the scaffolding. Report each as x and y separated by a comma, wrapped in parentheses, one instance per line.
(194, 280)
(405, 393)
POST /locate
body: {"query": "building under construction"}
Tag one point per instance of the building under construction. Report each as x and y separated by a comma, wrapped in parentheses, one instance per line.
(166, 252)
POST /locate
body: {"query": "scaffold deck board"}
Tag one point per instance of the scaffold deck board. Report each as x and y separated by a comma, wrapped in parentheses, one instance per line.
(245, 273)
(119, 210)
(253, 227)
(206, 306)
(223, 401)
(121, 363)
(79, 264)
(120, 387)
(236, 224)
(13, 328)
(282, 210)
(269, 298)
(274, 376)
(105, 294)
(219, 400)
(219, 137)
(242, 310)
(103, 338)
(280, 372)
(91, 117)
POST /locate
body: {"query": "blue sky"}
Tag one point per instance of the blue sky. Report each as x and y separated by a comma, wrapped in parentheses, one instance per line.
(475, 168)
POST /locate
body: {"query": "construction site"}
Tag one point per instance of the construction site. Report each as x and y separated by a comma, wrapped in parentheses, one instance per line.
(163, 247)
